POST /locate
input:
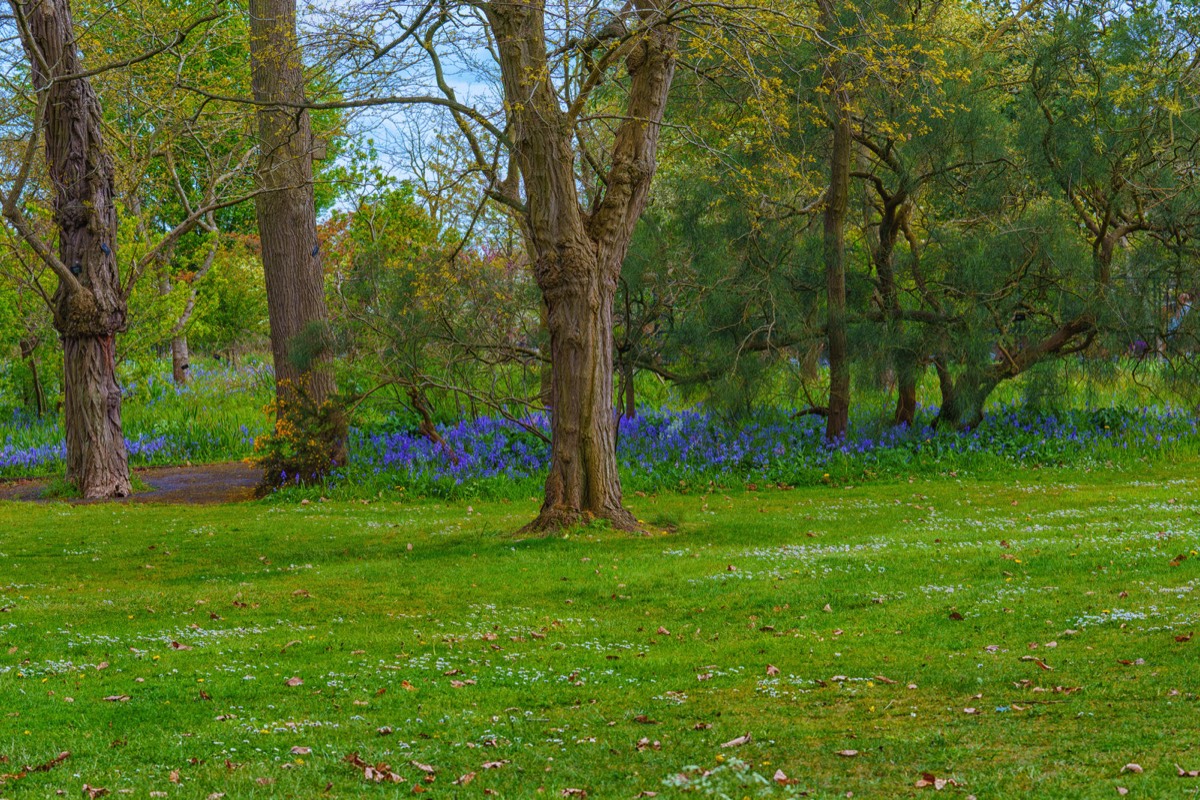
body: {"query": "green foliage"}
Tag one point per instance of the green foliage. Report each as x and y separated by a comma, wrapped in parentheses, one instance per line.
(307, 443)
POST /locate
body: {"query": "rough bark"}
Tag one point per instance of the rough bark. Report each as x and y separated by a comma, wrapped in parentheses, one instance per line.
(286, 210)
(576, 253)
(89, 306)
(836, 207)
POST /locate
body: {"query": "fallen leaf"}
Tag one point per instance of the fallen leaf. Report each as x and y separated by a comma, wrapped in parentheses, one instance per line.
(1187, 773)
(301, 751)
(781, 778)
(847, 753)
(463, 780)
(117, 698)
(738, 742)
(928, 779)
(375, 773)
(294, 681)
(92, 792)
(772, 670)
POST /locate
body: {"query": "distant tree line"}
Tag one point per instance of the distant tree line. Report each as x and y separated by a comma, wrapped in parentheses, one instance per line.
(511, 207)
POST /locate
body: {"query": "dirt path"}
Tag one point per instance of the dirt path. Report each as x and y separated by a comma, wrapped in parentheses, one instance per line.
(211, 483)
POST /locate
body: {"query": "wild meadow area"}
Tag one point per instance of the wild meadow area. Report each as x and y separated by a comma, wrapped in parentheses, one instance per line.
(599, 399)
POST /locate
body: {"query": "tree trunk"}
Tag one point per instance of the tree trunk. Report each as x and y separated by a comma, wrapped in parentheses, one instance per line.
(836, 206)
(906, 363)
(180, 364)
(286, 210)
(29, 355)
(89, 306)
(96, 459)
(907, 374)
(287, 227)
(629, 390)
(962, 407)
(583, 482)
(546, 382)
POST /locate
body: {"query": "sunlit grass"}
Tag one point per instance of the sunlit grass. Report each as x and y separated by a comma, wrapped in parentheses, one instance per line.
(798, 617)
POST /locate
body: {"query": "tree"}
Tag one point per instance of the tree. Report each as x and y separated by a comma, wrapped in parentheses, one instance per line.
(90, 302)
(577, 252)
(286, 211)
(89, 305)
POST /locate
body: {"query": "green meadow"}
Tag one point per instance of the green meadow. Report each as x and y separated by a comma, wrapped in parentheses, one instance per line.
(1026, 637)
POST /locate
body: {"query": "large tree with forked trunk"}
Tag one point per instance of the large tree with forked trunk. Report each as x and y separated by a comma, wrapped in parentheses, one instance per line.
(577, 249)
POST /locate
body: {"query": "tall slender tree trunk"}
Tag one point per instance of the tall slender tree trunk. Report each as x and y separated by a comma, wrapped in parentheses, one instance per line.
(179, 346)
(906, 362)
(908, 373)
(287, 224)
(629, 390)
(836, 207)
(89, 306)
(577, 254)
(29, 355)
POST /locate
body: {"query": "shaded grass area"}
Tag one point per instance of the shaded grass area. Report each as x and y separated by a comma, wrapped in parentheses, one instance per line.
(426, 633)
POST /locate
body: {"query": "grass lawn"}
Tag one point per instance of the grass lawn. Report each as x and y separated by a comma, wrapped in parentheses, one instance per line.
(817, 621)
